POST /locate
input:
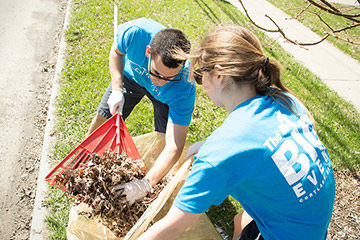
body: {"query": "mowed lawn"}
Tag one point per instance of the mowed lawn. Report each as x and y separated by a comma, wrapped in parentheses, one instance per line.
(86, 76)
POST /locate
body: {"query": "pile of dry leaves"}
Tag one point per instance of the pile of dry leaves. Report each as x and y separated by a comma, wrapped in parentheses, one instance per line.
(93, 183)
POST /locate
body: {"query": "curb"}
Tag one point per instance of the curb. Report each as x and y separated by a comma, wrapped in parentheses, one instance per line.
(40, 211)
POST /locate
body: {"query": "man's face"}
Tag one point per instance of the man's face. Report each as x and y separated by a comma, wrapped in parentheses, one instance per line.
(158, 71)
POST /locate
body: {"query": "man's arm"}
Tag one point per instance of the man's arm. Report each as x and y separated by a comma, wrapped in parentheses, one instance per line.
(175, 141)
(171, 226)
(116, 67)
(116, 99)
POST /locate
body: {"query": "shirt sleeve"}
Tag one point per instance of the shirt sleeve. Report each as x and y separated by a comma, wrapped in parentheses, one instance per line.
(181, 112)
(129, 36)
(182, 105)
(205, 186)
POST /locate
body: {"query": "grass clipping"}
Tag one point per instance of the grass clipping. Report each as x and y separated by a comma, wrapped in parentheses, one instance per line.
(93, 183)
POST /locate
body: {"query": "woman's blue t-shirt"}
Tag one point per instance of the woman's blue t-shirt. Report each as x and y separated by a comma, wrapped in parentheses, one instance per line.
(273, 163)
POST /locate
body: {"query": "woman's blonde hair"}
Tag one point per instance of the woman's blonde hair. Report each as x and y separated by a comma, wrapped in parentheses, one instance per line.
(239, 53)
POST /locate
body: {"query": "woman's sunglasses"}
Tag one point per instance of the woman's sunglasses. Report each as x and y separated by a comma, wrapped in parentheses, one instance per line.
(198, 74)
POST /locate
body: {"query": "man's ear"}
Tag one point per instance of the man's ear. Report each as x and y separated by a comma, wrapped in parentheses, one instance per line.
(148, 51)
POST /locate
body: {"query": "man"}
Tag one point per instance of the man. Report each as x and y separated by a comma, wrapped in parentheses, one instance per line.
(148, 59)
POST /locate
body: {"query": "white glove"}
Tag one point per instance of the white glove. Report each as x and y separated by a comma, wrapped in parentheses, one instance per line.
(134, 190)
(193, 149)
(116, 101)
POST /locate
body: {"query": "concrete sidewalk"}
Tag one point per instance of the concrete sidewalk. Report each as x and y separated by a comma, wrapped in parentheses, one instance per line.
(337, 70)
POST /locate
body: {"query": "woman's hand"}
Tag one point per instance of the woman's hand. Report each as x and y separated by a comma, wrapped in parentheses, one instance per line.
(193, 149)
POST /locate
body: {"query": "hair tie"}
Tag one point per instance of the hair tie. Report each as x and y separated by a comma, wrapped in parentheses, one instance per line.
(266, 62)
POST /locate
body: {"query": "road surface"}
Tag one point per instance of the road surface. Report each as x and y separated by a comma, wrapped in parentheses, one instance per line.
(29, 39)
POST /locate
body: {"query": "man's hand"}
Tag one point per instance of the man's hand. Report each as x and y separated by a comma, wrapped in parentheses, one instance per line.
(193, 149)
(116, 101)
(134, 190)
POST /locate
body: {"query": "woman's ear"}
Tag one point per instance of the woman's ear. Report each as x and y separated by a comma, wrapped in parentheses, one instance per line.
(220, 79)
(148, 51)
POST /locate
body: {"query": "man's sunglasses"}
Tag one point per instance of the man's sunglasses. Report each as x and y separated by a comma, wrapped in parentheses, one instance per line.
(170, 79)
(198, 74)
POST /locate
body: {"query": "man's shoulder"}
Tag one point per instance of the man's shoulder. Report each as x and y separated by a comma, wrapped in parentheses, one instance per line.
(142, 24)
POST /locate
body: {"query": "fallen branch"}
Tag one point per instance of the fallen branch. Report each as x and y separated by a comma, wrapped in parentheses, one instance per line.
(328, 8)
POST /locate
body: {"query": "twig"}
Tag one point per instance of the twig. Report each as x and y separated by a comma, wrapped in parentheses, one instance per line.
(346, 28)
(329, 5)
(333, 32)
(351, 17)
(345, 40)
(323, 21)
(253, 22)
(295, 41)
(303, 10)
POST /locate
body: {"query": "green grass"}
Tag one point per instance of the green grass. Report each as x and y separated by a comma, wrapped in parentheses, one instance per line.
(86, 75)
(59, 205)
(311, 20)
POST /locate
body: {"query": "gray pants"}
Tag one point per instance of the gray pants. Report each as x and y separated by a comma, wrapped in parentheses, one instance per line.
(133, 94)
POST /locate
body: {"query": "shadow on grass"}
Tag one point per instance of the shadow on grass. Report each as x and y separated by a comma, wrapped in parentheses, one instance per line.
(226, 7)
(208, 11)
(223, 215)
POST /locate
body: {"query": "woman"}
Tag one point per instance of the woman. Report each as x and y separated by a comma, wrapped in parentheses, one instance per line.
(266, 154)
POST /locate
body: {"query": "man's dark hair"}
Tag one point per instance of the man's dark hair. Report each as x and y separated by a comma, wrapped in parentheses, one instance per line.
(167, 43)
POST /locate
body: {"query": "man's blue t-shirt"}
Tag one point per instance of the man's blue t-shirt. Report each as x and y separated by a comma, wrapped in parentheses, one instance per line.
(273, 163)
(132, 39)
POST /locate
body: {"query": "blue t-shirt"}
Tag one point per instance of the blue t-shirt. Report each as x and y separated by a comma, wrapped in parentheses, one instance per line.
(132, 39)
(273, 163)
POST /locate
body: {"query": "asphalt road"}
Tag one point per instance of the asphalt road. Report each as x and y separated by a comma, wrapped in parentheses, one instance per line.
(29, 39)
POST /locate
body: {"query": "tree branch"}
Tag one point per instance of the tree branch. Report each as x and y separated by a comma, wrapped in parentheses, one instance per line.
(303, 10)
(329, 5)
(253, 22)
(346, 28)
(295, 41)
(323, 21)
(345, 40)
(331, 10)
(351, 17)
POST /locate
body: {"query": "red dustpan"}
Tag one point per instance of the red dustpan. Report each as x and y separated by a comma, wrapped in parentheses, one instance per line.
(113, 135)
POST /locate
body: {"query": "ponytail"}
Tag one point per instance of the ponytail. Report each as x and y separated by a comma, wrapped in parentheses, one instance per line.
(239, 53)
(268, 83)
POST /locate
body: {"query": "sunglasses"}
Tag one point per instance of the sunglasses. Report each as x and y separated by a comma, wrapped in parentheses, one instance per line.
(169, 79)
(198, 73)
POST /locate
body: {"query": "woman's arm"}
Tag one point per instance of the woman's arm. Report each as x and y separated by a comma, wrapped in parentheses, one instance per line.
(171, 226)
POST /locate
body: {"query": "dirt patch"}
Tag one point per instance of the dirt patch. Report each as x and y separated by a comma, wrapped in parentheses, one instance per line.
(345, 222)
